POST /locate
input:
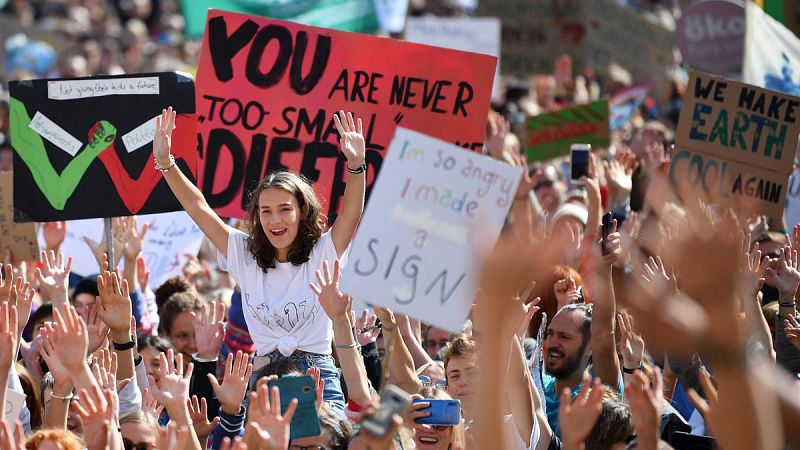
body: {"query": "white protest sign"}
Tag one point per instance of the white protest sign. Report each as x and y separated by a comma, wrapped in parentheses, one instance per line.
(792, 211)
(469, 34)
(13, 407)
(51, 131)
(170, 240)
(435, 209)
(72, 89)
(140, 136)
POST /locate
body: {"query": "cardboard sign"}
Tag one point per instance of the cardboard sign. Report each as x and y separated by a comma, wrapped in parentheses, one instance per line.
(739, 122)
(170, 240)
(267, 91)
(550, 135)
(730, 183)
(470, 34)
(435, 210)
(83, 147)
(19, 237)
(349, 15)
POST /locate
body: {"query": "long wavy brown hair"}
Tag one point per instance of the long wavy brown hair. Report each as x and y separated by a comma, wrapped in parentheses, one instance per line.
(309, 229)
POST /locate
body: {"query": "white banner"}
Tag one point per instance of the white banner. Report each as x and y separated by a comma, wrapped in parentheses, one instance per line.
(435, 209)
(771, 53)
(171, 238)
(469, 34)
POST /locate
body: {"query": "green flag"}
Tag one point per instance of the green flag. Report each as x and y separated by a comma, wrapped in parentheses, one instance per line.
(346, 15)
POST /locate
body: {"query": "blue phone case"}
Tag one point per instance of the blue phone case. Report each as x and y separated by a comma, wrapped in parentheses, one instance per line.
(443, 412)
(305, 422)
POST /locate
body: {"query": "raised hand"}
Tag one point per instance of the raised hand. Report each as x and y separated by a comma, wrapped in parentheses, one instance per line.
(173, 436)
(234, 383)
(792, 330)
(566, 292)
(198, 413)
(366, 330)
(319, 384)
(209, 329)
(9, 440)
(351, 140)
(53, 282)
(104, 369)
(98, 331)
(578, 416)
(142, 274)
(618, 174)
(266, 425)
(114, 305)
(54, 234)
(656, 272)
(70, 339)
(99, 249)
(9, 338)
(708, 406)
(132, 237)
(235, 444)
(335, 304)
(98, 409)
(613, 245)
(783, 274)
(61, 375)
(21, 296)
(753, 268)
(631, 345)
(172, 389)
(645, 403)
(162, 141)
(151, 405)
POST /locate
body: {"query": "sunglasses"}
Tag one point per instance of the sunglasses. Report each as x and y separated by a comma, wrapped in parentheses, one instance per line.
(129, 445)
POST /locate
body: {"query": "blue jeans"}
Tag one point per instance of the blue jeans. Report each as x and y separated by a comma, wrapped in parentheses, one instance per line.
(332, 393)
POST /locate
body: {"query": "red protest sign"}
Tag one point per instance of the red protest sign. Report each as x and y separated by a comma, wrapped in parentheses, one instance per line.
(267, 90)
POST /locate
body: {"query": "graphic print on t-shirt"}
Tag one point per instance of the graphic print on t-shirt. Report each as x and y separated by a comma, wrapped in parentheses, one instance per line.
(291, 314)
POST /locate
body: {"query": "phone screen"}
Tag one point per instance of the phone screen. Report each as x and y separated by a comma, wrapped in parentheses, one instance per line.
(579, 164)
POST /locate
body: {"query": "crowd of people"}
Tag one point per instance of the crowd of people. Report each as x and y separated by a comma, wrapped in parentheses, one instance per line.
(613, 313)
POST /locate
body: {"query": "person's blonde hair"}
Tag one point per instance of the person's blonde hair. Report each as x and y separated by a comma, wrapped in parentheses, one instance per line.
(66, 439)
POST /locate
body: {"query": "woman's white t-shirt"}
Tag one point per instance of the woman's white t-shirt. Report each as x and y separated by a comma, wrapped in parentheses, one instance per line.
(281, 311)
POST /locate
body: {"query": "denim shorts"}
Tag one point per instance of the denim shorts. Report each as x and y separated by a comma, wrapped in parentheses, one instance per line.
(332, 394)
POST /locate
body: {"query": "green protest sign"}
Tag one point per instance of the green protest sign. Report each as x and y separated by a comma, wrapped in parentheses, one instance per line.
(550, 135)
(346, 15)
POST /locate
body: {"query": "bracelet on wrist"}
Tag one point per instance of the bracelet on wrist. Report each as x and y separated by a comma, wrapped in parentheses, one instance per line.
(124, 346)
(167, 168)
(353, 345)
(787, 305)
(640, 367)
(65, 398)
(360, 169)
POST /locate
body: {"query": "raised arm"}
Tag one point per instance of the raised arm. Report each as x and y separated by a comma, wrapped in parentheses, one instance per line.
(188, 194)
(604, 348)
(354, 149)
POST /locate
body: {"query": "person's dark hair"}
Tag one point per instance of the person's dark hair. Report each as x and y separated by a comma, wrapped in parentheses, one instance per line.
(87, 285)
(161, 344)
(460, 345)
(615, 424)
(281, 367)
(335, 432)
(586, 310)
(33, 398)
(41, 313)
(179, 303)
(169, 287)
(309, 229)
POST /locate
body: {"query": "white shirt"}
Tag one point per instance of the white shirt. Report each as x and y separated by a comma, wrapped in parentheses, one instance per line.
(514, 437)
(280, 309)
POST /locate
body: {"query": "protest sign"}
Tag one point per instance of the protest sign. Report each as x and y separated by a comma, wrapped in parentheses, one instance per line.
(348, 15)
(550, 135)
(710, 35)
(435, 211)
(624, 103)
(267, 91)
(771, 53)
(12, 410)
(739, 122)
(792, 211)
(83, 147)
(20, 238)
(727, 182)
(470, 34)
(171, 239)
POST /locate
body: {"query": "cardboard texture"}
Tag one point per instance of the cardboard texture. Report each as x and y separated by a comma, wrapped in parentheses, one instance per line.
(20, 238)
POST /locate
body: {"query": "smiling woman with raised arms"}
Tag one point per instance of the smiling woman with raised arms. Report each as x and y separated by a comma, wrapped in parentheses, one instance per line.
(276, 260)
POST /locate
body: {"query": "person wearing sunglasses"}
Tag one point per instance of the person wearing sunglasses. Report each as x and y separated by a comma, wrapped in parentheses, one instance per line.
(433, 437)
(139, 431)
